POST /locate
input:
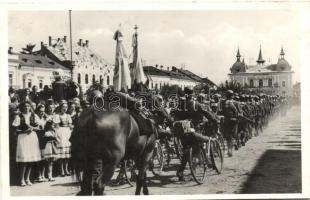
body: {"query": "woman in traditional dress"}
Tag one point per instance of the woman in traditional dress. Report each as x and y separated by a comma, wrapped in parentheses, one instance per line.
(50, 151)
(27, 150)
(63, 131)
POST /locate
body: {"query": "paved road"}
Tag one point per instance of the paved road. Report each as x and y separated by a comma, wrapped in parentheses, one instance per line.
(269, 163)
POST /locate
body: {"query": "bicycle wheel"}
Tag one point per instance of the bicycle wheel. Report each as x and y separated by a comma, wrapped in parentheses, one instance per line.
(157, 160)
(198, 164)
(216, 156)
(221, 140)
(121, 177)
(178, 147)
(130, 171)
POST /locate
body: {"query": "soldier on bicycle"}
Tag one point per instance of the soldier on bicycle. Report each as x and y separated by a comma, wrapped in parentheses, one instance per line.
(192, 113)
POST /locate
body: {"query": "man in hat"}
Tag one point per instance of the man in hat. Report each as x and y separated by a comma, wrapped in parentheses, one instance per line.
(59, 89)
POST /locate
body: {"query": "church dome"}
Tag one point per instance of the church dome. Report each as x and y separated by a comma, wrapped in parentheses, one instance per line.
(238, 66)
(283, 65)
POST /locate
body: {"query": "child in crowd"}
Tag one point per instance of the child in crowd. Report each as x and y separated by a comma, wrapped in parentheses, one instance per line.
(50, 152)
(42, 121)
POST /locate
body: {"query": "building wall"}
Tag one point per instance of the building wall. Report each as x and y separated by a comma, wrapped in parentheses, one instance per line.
(21, 76)
(82, 70)
(282, 79)
(159, 81)
(86, 62)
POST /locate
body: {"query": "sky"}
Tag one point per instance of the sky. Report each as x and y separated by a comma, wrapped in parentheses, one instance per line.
(205, 42)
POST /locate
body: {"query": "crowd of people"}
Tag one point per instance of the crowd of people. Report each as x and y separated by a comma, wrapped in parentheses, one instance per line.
(41, 126)
(40, 129)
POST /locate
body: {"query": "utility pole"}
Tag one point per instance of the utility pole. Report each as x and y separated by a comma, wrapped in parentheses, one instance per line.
(71, 63)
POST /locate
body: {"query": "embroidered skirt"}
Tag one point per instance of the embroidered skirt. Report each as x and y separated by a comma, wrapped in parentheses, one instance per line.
(50, 151)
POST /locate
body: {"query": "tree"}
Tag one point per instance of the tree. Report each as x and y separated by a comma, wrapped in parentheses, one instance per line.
(28, 49)
(231, 85)
(201, 88)
(167, 90)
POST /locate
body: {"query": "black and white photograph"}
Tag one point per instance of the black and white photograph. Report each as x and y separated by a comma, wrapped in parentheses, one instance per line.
(154, 102)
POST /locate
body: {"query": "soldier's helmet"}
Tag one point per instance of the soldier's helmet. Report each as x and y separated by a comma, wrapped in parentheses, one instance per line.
(236, 97)
(230, 93)
(242, 97)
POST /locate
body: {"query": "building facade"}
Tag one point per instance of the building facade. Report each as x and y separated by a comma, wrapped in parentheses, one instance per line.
(275, 79)
(158, 77)
(26, 70)
(88, 67)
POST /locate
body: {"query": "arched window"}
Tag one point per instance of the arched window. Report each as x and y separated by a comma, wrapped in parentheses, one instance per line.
(260, 83)
(86, 79)
(270, 82)
(29, 83)
(79, 78)
(108, 80)
(94, 78)
(251, 83)
(40, 84)
(283, 83)
(101, 80)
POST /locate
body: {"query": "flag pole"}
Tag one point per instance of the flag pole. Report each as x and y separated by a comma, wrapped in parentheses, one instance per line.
(71, 46)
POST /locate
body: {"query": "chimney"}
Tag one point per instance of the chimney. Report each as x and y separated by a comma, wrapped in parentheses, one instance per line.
(161, 67)
(65, 39)
(58, 39)
(41, 50)
(86, 43)
(10, 50)
(49, 40)
(156, 66)
(83, 44)
(80, 42)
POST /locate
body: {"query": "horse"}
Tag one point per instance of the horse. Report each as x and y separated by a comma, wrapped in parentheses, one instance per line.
(101, 139)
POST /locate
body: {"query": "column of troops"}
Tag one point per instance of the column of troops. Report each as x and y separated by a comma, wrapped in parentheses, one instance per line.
(41, 124)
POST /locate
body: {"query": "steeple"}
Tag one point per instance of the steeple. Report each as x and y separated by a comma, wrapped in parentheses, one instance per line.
(238, 55)
(282, 53)
(260, 59)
